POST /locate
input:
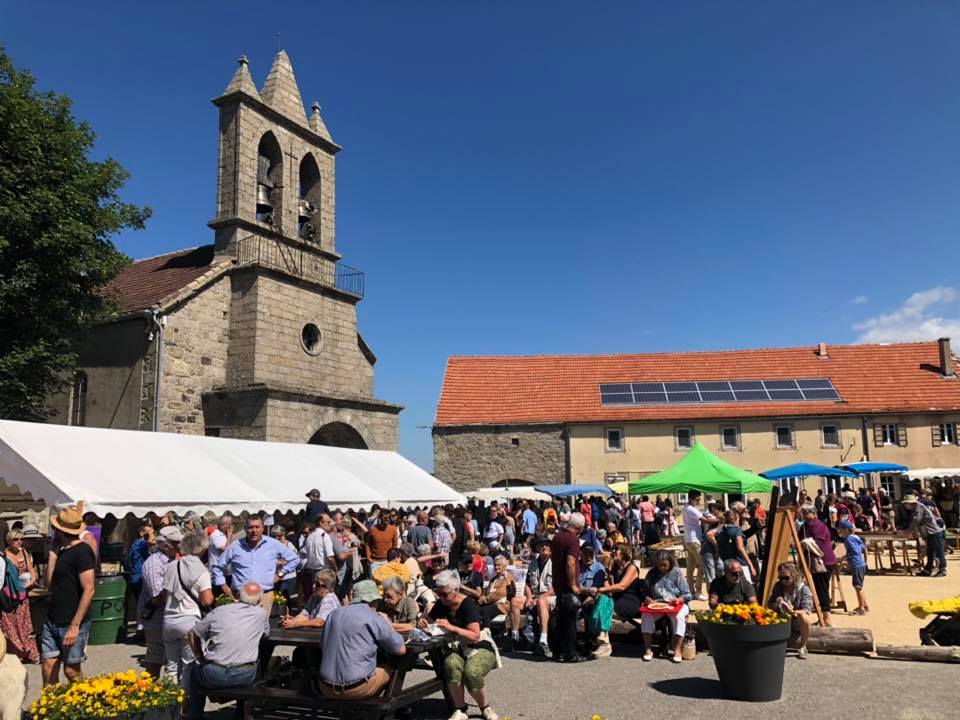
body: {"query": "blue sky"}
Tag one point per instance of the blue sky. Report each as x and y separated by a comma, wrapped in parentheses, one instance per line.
(529, 178)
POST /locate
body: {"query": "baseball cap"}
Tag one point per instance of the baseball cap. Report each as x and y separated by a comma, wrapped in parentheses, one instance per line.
(313, 492)
(171, 533)
(845, 525)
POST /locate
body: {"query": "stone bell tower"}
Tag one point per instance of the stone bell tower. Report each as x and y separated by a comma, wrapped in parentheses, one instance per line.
(276, 179)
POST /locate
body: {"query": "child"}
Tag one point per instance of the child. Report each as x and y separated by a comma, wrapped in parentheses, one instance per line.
(857, 560)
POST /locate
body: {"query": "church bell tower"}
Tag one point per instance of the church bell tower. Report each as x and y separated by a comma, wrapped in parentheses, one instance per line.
(276, 177)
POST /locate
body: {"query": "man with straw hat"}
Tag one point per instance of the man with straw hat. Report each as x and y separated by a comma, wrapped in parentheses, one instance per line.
(924, 524)
(70, 578)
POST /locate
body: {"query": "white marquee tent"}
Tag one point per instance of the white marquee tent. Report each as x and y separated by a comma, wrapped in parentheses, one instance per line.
(121, 471)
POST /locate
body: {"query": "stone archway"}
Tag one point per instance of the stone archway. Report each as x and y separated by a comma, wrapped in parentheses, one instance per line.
(513, 483)
(338, 434)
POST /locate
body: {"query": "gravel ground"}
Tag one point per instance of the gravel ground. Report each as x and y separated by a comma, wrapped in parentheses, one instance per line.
(623, 688)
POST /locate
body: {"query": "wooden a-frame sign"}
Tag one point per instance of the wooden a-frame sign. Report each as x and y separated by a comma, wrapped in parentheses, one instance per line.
(780, 537)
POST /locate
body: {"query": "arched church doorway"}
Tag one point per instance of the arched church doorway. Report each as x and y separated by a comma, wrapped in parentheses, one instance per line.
(338, 434)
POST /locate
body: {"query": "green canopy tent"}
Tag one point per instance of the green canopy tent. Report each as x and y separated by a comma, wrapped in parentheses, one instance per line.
(701, 470)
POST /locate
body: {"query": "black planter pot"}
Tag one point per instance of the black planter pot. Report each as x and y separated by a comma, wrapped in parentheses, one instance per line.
(749, 659)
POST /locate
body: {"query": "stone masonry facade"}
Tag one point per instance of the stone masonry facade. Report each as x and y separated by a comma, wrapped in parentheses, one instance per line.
(467, 458)
(235, 362)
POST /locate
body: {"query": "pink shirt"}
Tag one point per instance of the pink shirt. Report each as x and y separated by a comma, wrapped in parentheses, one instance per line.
(647, 511)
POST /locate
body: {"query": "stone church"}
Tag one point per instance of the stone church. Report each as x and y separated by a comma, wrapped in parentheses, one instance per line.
(254, 336)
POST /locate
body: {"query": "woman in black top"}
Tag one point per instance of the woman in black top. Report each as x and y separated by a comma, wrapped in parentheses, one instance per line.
(627, 587)
(459, 616)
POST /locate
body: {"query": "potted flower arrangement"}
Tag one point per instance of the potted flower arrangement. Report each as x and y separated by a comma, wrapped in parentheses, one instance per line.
(115, 696)
(279, 605)
(749, 647)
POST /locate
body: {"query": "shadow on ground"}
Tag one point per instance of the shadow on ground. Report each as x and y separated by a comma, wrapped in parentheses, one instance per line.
(690, 687)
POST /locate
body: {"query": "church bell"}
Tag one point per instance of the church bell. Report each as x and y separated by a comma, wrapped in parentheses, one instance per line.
(264, 205)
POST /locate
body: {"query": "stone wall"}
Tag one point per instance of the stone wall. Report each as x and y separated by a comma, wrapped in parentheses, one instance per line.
(293, 420)
(283, 307)
(467, 458)
(241, 129)
(194, 357)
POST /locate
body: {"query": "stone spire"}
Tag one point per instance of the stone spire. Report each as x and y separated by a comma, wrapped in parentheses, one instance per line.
(317, 124)
(280, 91)
(242, 80)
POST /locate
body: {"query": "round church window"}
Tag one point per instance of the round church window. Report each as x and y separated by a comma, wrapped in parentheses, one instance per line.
(311, 338)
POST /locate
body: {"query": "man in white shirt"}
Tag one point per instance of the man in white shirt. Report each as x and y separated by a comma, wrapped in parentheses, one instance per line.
(219, 539)
(692, 540)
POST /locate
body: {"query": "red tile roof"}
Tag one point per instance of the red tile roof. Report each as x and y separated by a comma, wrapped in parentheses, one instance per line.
(144, 283)
(547, 389)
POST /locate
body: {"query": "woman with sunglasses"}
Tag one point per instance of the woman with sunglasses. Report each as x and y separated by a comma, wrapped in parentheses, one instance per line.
(17, 626)
(459, 616)
(792, 598)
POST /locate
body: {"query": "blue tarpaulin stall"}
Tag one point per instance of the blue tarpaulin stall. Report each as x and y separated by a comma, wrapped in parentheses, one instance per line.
(869, 467)
(804, 470)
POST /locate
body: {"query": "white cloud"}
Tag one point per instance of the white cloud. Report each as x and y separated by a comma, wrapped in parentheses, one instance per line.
(914, 320)
(860, 300)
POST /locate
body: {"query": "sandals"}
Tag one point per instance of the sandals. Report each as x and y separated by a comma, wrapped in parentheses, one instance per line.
(648, 656)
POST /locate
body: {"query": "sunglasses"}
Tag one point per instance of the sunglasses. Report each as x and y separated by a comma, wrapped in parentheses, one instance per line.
(734, 574)
(444, 593)
(784, 577)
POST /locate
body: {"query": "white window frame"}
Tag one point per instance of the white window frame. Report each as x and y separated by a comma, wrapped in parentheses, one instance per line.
(789, 484)
(776, 437)
(676, 438)
(891, 436)
(948, 429)
(723, 440)
(606, 440)
(889, 483)
(823, 436)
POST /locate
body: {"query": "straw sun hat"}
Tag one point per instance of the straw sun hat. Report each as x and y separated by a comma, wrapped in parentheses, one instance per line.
(69, 521)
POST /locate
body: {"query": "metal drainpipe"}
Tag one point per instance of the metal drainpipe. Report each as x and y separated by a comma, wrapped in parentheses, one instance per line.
(158, 324)
(863, 435)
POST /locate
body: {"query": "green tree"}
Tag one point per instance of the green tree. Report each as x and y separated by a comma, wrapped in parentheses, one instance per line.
(58, 211)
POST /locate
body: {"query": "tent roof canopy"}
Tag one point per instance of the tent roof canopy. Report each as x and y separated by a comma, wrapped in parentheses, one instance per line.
(869, 467)
(127, 471)
(572, 490)
(932, 473)
(514, 493)
(701, 470)
(805, 469)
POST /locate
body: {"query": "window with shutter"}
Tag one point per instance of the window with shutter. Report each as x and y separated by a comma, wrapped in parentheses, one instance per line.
(901, 435)
(878, 435)
(936, 435)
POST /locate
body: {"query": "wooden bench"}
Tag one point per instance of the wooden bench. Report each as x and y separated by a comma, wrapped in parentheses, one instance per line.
(260, 695)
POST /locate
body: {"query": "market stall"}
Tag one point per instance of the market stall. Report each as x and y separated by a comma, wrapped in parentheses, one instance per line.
(117, 472)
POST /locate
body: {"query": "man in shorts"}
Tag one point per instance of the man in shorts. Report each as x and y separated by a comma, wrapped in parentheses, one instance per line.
(537, 594)
(70, 577)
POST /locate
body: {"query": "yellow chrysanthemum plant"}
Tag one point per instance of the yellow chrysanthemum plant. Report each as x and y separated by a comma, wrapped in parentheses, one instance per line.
(115, 695)
(742, 614)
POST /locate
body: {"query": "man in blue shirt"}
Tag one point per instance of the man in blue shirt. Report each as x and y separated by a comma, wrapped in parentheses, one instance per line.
(857, 560)
(529, 520)
(255, 559)
(351, 638)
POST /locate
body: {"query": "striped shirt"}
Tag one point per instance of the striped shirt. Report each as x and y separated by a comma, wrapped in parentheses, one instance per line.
(153, 571)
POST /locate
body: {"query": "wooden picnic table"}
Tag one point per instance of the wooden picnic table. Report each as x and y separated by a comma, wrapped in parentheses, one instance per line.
(395, 696)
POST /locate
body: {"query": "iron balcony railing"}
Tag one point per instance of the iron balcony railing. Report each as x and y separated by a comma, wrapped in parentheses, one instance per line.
(258, 250)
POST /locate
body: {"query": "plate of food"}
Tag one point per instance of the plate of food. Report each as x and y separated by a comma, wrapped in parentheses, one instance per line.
(662, 607)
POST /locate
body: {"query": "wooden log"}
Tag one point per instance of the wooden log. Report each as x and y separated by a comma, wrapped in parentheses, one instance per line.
(924, 653)
(838, 641)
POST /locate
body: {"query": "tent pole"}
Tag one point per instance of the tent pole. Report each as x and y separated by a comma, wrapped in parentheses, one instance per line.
(768, 535)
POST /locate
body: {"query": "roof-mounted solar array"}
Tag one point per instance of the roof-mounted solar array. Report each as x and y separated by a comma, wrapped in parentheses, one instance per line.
(717, 391)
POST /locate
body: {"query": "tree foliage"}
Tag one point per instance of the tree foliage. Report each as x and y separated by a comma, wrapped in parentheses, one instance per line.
(58, 211)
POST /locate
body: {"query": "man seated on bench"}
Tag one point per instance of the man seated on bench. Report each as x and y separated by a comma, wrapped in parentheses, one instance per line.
(732, 588)
(351, 637)
(232, 635)
(537, 596)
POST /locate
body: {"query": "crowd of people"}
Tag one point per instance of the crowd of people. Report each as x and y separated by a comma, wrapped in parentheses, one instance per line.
(526, 569)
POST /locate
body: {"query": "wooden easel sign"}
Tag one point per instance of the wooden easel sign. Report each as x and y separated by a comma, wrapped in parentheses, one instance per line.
(783, 536)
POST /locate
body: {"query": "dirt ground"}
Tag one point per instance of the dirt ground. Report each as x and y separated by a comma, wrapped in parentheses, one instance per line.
(888, 597)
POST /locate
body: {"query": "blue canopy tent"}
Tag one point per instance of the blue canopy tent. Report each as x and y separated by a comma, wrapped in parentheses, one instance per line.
(861, 468)
(803, 470)
(573, 490)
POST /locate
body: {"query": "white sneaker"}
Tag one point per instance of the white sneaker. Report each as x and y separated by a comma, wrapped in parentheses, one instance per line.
(489, 714)
(699, 596)
(459, 714)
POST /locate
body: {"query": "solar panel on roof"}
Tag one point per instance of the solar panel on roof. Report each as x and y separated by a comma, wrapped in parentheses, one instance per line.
(717, 391)
(826, 394)
(683, 397)
(717, 396)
